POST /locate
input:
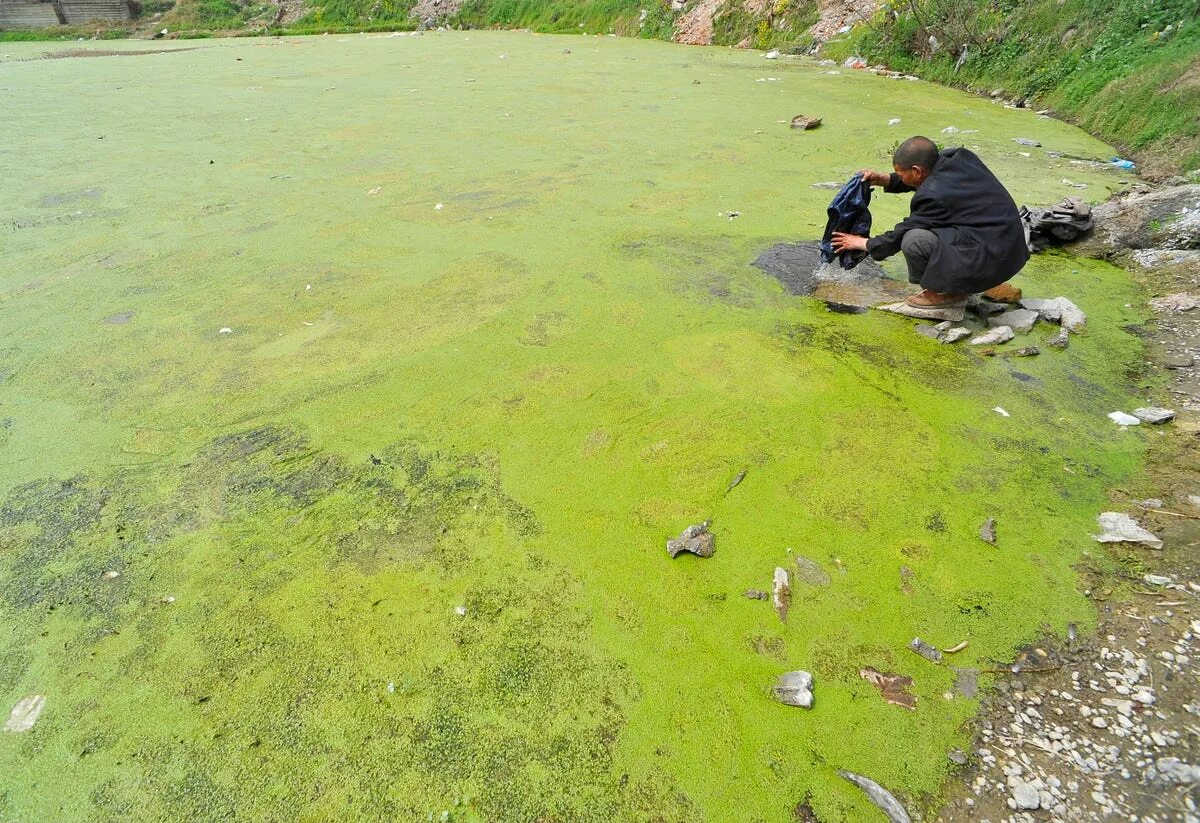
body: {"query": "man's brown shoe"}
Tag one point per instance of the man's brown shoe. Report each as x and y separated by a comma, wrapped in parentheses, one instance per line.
(936, 300)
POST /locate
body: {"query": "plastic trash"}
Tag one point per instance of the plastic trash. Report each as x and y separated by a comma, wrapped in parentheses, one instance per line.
(1122, 164)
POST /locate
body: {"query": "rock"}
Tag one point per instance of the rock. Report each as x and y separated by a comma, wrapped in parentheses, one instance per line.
(1025, 795)
(952, 314)
(953, 335)
(925, 650)
(1154, 415)
(1060, 340)
(957, 756)
(794, 689)
(966, 681)
(1019, 320)
(809, 572)
(755, 594)
(1175, 303)
(1156, 580)
(1174, 770)
(1000, 334)
(773, 54)
(25, 713)
(805, 123)
(1004, 293)
(781, 593)
(987, 532)
(1027, 351)
(950, 130)
(1116, 527)
(695, 539)
(1025, 141)
(1059, 310)
(1123, 419)
(878, 795)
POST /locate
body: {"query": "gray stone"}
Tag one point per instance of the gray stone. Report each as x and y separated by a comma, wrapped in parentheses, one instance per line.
(1059, 310)
(1060, 340)
(1025, 141)
(794, 689)
(1019, 320)
(925, 650)
(1154, 415)
(1026, 796)
(999, 334)
(987, 532)
(695, 539)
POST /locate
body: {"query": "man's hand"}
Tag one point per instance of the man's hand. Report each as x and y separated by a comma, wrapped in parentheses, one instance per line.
(848, 242)
(876, 178)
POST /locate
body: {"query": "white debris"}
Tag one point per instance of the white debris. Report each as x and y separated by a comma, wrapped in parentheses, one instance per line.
(1116, 527)
(950, 130)
(773, 54)
(1001, 412)
(1123, 419)
(25, 713)
(895, 121)
(225, 330)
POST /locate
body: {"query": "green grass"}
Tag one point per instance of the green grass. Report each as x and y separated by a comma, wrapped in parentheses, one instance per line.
(506, 404)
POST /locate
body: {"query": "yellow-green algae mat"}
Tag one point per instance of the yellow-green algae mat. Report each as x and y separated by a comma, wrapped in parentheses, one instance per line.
(352, 386)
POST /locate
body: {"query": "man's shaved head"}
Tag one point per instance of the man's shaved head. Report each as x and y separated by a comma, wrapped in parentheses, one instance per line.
(916, 151)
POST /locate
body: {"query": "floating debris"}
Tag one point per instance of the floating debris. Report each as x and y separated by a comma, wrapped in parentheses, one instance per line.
(951, 130)
(1116, 527)
(773, 54)
(808, 571)
(25, 713)
(781, 594)
(755, 594)
(1154, 415)
(794, 689)
(1025, 141)
(829, 184)
(111, 574)
(1123, 419)
(1001, 412)
(925, 650)
(878, 795)
(958, 647)
(738, 478)
(805, 123)
(893, 687)
(695, 539)
(987, 532)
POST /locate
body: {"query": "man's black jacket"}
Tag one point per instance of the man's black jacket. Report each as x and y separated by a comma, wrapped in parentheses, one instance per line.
(962, 202)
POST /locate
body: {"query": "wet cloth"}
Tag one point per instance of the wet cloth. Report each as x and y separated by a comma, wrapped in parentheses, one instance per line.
(1064, 221)
(982, 239)
(850, 213)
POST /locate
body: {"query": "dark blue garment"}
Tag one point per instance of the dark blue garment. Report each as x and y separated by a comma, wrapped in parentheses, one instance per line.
(850, 213)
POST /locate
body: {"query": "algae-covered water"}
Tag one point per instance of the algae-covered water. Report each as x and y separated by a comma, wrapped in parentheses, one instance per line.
(350, 387)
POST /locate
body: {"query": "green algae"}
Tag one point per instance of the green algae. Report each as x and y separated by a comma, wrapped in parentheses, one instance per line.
(504, 404)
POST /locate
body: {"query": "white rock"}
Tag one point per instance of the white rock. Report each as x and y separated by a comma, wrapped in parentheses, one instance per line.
(773, 54)
(1154, 415)
(225, 330)
(1123, 419)
(1116, 527)
(1000, 334)
(1025, 796)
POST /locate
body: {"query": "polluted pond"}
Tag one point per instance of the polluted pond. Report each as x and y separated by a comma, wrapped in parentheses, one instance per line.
(338, 471)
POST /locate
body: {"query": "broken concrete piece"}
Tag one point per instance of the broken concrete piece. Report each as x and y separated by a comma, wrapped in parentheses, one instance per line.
(1000, 334)
(954, 314)
(925, 650)
(1019, 320)
(1116, 527)
(1154, 415)
(808, 571)
(878, 795)
(794, 689)
(25, 713)
(1123, 419)
(695, 539)
(781, 594)
(987, 532)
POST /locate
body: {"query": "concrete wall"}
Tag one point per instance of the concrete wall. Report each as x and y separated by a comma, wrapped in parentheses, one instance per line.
(34, 14)
(84, 11)
(27, 15)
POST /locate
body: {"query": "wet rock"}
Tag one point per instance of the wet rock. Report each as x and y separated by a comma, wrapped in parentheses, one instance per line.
(781, 594)
(695, 539)
(878, 795)
(756, 594)
(925, 650)
(1175, 303)
(794, 689)
(1026, 141)
(1019, 320)
(953, 314)
(808, 571)
(1027, 351)
(1000, 334)
(1025, 795)
(1123, 419)
(1116, 527)
(1154, 415)
(987, 532)
(25, 713)
(1060, 340)
(805, 123)
(966, 681)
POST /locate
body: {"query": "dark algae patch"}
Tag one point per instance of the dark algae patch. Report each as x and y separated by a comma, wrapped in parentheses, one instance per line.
(363, 511)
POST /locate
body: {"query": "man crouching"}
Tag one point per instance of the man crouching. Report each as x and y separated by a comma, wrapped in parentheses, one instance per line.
(963, 234)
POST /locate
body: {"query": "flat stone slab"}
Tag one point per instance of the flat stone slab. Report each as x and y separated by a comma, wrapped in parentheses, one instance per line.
(794, 689)
(1019, 320)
